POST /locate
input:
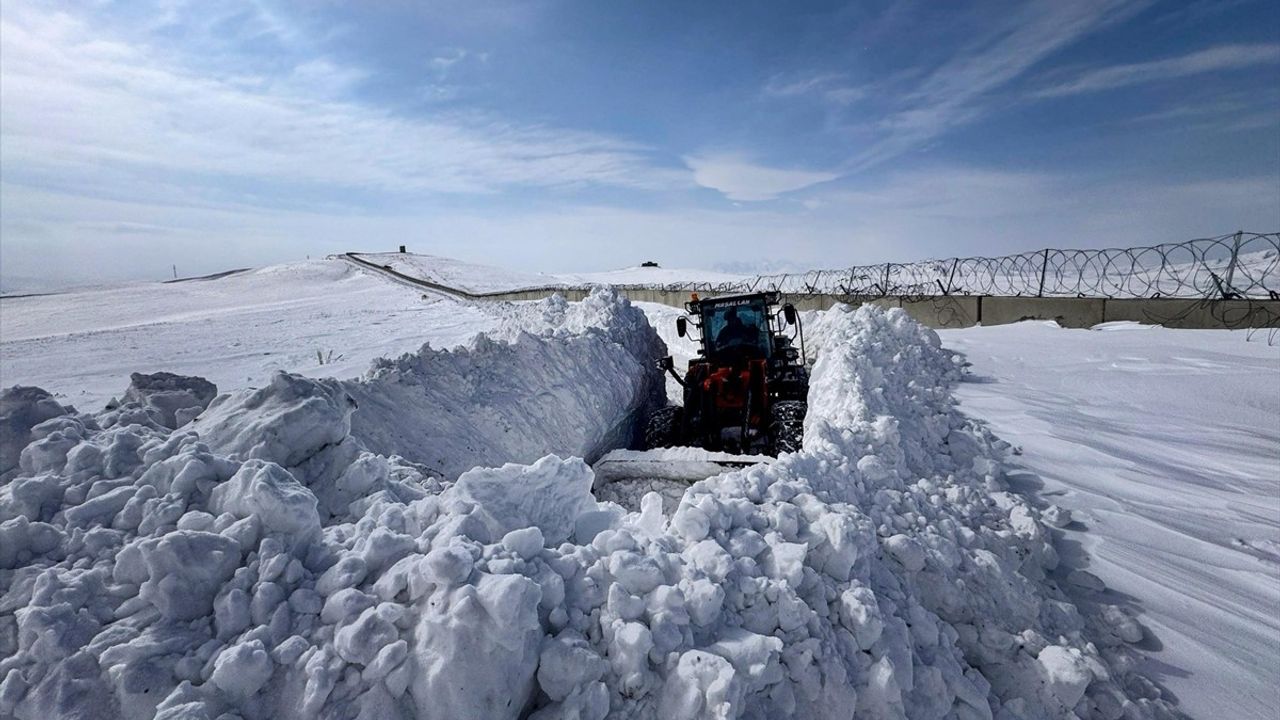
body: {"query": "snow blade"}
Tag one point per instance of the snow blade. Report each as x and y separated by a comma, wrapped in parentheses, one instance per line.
(689, 464)
(625, 476)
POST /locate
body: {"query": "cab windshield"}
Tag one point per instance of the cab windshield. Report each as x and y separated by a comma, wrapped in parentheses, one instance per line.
(736, 330)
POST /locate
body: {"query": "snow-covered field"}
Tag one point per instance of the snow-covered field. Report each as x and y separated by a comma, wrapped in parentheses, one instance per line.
(312, 547)
(1165, 446)
(236, 331)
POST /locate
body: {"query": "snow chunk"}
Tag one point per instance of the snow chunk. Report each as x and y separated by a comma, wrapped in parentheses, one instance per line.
(1055, 516)
(359, 642)
(243, 669)
(525, 542)
(449, 565)
(476, 649)
(568, 663)
(185, 569)
(1066, 673)
(549, 494)
(269, 492)
(22, 408)
(701, 687)
(287, 422)
(906, 551)
(170, 400)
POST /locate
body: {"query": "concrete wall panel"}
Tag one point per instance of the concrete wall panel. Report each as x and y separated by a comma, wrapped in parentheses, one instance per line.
(1177, 313)
(951, 311)
(1067, 312)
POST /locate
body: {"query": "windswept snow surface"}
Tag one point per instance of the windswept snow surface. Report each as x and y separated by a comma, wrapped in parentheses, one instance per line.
(261, 562)
(1163, 446)
(236, 330)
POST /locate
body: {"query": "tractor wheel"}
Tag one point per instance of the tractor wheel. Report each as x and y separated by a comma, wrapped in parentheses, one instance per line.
(664, 428)
(786, 426)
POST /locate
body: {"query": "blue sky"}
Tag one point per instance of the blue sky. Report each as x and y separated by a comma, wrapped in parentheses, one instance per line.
(585, 135)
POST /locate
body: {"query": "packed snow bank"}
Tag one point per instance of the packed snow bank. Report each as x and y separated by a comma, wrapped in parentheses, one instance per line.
(883, 571)
(570, 379)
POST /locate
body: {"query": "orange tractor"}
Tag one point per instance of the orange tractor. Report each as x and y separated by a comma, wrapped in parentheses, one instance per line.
(746, 390)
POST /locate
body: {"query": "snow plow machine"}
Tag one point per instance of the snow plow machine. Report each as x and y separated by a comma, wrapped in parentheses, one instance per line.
(745, 391)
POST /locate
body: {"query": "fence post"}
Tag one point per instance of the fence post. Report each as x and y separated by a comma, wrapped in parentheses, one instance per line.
(1044, 266)
(1231, 268)
(884, 288)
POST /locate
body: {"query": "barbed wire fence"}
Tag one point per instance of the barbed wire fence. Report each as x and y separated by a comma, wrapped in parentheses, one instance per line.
(1238, 266)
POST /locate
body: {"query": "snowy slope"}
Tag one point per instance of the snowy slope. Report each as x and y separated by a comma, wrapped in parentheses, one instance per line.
(236, 330)
(482, 278)
(470, 277)
(1165, 446)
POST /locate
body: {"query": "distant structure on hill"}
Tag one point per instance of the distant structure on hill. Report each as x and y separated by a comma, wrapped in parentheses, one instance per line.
(648, 263)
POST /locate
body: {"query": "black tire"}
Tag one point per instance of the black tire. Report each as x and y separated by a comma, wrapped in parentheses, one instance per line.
(664, 428)
(786, 426)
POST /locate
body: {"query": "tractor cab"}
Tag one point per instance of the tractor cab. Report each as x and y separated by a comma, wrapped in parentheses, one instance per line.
(746, 389)
(735, 330)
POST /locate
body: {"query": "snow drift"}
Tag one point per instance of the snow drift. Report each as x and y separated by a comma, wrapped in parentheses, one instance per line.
(239, 565)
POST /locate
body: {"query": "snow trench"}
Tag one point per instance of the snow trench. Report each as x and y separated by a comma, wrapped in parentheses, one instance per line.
(266, 561)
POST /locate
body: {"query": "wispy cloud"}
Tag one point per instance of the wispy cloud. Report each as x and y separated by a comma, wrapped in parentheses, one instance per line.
(740, 179)
(89, 111)
(1223, 57)
(958, 91)
(834, 88)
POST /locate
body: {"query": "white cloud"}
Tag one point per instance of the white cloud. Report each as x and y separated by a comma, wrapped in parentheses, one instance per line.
(1224, 57)
(89, 111)
(740, 179)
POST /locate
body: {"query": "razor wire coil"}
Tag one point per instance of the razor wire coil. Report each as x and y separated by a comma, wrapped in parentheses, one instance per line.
(1242, 265)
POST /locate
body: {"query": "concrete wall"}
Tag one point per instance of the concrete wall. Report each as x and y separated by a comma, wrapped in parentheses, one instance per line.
(1177, 313)
(950, 311)
(955, 311)
(1067, 312)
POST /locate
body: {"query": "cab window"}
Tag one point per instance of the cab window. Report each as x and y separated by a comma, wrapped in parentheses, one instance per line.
(737, 328)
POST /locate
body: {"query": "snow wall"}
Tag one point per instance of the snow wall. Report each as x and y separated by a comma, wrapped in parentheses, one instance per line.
(569, 379)
(242, 568)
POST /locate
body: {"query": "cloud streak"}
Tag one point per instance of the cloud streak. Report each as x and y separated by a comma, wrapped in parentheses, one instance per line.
(1223, 57)
(833, 88)
(958, 91)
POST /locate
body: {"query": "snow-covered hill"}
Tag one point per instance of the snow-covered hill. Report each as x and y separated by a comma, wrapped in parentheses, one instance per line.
(319, 318)
(481, 278)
